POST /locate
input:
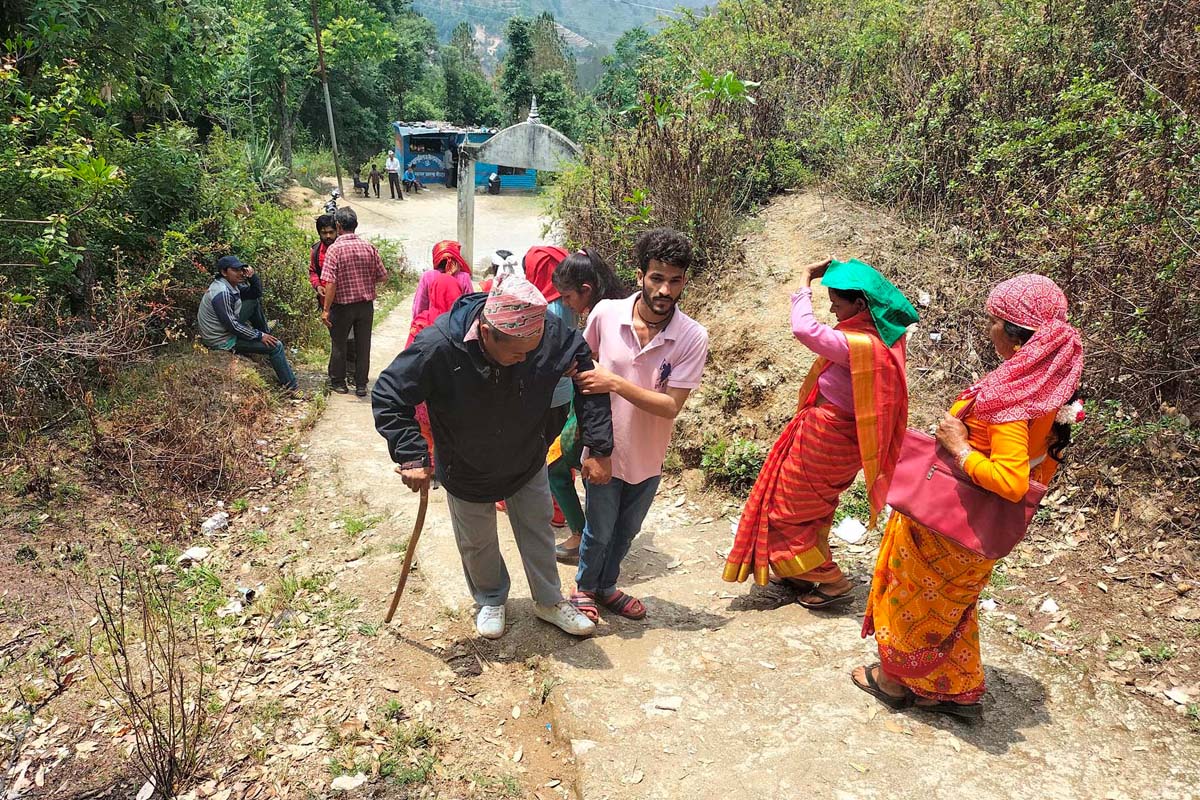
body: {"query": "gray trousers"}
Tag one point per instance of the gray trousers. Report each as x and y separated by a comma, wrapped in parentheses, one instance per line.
(529, 512)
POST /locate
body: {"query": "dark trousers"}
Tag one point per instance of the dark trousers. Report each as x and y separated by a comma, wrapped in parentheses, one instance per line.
(394, 186)
(344, 318)
(251, 312)
(375, 186)
(279, 362)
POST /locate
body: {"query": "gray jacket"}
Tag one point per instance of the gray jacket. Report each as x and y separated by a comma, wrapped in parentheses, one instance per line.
(217, 322)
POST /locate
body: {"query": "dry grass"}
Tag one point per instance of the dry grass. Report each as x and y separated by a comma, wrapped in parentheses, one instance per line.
(183, 429)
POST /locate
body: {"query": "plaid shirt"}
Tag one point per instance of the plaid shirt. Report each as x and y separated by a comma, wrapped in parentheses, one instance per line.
(355, 267)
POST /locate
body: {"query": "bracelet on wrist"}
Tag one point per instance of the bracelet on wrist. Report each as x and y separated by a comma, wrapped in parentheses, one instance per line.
(962, 455)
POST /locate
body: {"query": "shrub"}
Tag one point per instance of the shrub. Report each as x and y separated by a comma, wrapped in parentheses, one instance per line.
(153, 664)
(124, 232)
(732, 464)
(1055, 139)
(182, 428)
(686, 162)
(310, 167)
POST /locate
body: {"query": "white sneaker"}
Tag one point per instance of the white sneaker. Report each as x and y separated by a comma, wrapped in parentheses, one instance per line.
(567, 617)
(489, 622)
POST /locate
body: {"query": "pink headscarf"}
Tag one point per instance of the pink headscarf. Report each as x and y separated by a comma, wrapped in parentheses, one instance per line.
(1043, 374)
(514, 307)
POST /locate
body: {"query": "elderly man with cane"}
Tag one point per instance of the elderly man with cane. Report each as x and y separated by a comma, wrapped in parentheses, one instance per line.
(487, 372)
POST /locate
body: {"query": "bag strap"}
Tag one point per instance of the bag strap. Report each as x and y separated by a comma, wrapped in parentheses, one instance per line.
(966, 409)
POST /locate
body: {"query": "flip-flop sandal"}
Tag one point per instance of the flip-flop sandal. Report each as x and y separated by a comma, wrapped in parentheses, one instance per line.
(873, 688)
(802, 586)
(623, 605)
(586, 605)
(969, 712)
(827, 600)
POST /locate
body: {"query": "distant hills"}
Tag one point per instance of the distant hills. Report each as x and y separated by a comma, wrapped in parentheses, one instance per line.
(588, 23)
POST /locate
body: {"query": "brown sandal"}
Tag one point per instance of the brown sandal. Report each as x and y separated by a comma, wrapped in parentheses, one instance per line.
(797, 584)
(827, 600)
(873, 688)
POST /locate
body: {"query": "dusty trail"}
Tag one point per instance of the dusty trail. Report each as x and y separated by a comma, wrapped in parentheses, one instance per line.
(721, 691)
(511, 221)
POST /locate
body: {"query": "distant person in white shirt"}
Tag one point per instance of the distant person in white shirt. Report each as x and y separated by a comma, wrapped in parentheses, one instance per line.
(393, 172)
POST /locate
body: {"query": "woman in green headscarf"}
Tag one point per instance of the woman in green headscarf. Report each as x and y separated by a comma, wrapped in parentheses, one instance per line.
(852, 415)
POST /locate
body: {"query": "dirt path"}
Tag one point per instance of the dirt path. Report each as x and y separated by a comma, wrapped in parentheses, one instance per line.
(722, 691)
(510, 221)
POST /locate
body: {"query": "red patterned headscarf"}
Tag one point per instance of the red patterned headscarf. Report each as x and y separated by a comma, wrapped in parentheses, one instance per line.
(1043, 374)
(450, 250)
(540, 263)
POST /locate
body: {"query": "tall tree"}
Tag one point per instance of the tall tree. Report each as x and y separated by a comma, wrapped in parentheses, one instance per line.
(620, 83)
(470, 98)
(560, 105)
(408, 72)
(550, 51)
(516, 71)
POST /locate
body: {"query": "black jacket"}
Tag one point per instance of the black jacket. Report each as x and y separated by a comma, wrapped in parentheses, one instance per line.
(487, 420)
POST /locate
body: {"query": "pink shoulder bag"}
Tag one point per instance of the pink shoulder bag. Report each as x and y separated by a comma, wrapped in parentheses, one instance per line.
(929, 487)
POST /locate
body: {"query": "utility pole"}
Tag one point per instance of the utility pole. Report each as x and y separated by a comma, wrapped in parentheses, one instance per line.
(337, 166)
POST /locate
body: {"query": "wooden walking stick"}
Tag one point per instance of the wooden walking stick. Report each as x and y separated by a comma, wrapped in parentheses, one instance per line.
(409, 552)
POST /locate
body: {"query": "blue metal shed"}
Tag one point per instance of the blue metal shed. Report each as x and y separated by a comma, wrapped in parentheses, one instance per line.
(430, 149)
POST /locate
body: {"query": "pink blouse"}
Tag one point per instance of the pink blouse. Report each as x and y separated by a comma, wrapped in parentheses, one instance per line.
(421, 297)
(834, 384)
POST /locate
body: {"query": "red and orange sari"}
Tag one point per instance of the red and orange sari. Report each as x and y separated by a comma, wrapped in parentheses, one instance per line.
(785, 525)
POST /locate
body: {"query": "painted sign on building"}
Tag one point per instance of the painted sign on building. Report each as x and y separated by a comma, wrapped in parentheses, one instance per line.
(428, 168)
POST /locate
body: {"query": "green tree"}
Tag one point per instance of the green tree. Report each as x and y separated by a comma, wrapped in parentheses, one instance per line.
(550, 51)
(620, 85)
(560, 106)
(516, 71)
(470, 98)
(410, 63)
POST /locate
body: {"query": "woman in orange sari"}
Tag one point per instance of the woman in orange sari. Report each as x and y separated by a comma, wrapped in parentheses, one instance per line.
(921, 609)
(852, 416)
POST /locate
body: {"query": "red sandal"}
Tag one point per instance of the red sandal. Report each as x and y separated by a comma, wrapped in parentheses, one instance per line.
(585, 603)
(624, 605)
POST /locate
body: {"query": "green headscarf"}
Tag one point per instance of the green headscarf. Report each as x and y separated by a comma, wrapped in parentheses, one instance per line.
(890, 309)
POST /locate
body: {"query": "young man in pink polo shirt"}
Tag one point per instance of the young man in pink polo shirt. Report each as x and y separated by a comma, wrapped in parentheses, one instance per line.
(649, 358)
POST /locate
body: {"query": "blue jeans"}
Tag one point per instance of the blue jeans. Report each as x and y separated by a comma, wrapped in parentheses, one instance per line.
(283, 370)
(615, 512)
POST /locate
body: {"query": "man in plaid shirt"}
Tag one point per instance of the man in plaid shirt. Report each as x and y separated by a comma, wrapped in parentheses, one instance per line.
(351, 272)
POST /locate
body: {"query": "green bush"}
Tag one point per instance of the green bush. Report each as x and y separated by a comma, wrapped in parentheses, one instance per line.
(126, 231)
(309, 167)
(732, 464)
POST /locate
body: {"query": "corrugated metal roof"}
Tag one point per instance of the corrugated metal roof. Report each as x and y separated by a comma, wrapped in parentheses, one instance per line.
(430, 127)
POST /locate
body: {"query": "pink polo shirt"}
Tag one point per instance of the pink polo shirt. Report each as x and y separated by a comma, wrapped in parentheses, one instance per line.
(675, 357)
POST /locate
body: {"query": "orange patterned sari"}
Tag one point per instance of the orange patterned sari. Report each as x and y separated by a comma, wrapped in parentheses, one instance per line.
(785, 525)
(921, 609)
